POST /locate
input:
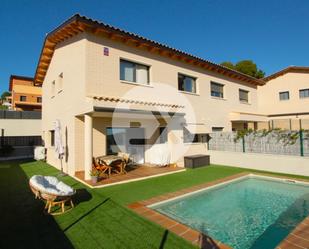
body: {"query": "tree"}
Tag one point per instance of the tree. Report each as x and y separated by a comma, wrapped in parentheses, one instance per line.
(247, 67)
(228, 64)
(250, 68)
(5, 94)
(3, 107)
(260, 74)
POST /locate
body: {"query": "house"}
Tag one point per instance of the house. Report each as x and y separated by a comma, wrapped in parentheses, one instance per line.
(105, 84)
(114, 90)
(25, 95)
(285, 98)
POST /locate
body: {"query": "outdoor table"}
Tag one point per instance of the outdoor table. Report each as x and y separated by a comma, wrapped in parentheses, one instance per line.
(111, 160)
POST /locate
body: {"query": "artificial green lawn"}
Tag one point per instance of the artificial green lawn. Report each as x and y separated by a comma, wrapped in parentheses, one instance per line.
(100, 218)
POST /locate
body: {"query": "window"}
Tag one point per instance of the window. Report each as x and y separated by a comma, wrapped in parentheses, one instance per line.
(124, 139)
(186, 83)
(52, 138)
(193, 138)
(304, 93)
(39, 99)
(217, 129)
(216, 89)
(133, 72)
(22, 98)
(284, 95)
(243, 95)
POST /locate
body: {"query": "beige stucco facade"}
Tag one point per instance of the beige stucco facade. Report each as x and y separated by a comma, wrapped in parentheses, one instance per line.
(82, 89)
(65, 98)
(79, 70)
(292, 113)
(103, 79)
(21, 127)
(292, 82)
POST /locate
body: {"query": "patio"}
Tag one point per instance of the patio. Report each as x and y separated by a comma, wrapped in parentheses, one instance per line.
(134, 173)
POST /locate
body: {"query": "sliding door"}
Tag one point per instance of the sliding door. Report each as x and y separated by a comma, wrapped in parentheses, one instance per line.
(129, 140)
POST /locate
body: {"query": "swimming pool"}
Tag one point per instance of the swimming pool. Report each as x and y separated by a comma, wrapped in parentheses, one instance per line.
(251, 212)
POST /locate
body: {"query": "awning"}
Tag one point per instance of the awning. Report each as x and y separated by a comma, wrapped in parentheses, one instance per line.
(197, 128)
(247, 117)
(120, 111)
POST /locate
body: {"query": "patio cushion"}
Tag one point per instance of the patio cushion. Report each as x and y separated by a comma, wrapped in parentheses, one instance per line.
(51, 185)
(124, 155)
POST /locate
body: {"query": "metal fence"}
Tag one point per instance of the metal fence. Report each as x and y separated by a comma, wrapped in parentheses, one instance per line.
(21, 140)
(19, 152)
(5, 114)
(278, 143)
(224, 141)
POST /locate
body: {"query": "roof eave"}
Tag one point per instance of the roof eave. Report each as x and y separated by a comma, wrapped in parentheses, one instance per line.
(285, 71)
(85, 24)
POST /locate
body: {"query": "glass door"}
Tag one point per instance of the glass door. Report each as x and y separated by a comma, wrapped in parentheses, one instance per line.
(129, 140)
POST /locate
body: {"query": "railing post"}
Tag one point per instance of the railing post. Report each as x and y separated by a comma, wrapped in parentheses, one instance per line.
(301, 140)
(243, 144)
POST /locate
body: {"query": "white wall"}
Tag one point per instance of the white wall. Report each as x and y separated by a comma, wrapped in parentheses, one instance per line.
(21, 127)
(295, 165)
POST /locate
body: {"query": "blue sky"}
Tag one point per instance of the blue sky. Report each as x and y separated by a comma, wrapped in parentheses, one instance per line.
(274, 34)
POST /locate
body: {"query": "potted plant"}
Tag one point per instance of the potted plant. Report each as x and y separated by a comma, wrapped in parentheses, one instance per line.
(94, 175)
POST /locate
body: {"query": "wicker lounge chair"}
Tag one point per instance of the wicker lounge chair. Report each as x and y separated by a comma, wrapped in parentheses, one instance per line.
(53, 191)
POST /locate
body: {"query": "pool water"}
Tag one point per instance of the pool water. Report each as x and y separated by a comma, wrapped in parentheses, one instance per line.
(249, 213)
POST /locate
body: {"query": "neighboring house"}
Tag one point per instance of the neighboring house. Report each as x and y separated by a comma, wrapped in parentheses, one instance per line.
(90, 71)
(285, 98)
(25, 95)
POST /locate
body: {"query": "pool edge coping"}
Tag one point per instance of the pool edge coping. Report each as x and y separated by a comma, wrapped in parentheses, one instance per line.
(143, 208)
(193, 236)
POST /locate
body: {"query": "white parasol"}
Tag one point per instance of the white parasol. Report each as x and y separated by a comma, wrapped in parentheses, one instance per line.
(59, 150)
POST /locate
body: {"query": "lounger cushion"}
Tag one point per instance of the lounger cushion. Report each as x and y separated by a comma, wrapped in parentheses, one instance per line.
(51, 185)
